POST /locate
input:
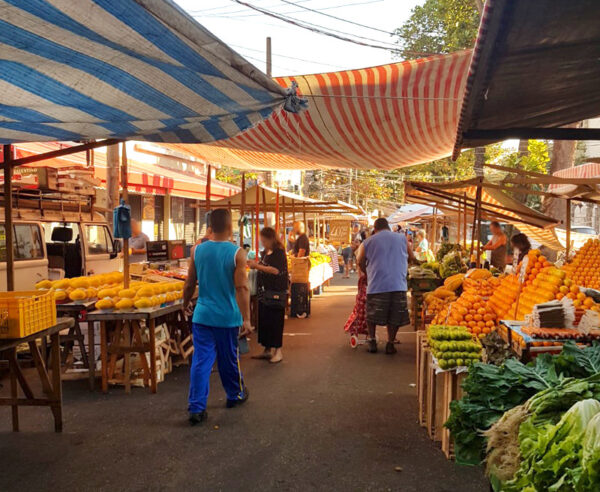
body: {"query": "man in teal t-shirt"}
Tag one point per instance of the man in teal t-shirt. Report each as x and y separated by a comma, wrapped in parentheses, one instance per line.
(222, 314)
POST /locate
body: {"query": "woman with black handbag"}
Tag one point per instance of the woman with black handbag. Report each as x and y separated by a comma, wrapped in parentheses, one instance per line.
(272, 299)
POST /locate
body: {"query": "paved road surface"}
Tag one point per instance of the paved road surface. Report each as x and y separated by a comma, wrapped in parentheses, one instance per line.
(327, 418)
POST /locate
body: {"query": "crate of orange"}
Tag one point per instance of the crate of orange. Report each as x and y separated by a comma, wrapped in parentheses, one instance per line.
(473, 312)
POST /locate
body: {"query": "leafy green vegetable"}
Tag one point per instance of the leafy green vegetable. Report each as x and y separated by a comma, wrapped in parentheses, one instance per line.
(590, 464)
(491, 390)
(551, 454)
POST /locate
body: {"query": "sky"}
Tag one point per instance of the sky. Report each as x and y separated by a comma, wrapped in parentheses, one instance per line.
(298, 51)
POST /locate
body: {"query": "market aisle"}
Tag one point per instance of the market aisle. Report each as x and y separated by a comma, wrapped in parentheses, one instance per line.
(327, 418)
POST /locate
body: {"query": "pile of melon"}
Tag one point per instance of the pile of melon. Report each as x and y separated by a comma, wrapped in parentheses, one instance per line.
(109, 291)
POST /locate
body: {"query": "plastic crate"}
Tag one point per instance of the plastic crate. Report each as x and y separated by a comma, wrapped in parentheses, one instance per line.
(25, 313)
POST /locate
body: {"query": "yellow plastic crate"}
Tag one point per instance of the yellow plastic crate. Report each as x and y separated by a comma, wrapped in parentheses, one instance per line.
(27, 312)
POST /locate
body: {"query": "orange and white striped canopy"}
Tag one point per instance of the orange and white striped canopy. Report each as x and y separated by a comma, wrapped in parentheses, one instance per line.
(383, 117)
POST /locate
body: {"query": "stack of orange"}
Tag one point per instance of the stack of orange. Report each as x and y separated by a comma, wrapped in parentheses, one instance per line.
(473, 312)
(482, 287)
(584, 270)
(537, 262)
(580, 300)
(543, 288)
(504, 297)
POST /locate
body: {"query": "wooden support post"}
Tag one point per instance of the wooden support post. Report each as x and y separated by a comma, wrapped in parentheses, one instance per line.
(293, 210)
(8, 218)
(208, 187)
(242, 210)
(277, 212)
(465, 221)
(304, 216)
(125, 197)
(434, 226)
(112, 179)
(475, 214)
(458, 223)
(567, 225)
(282, 219)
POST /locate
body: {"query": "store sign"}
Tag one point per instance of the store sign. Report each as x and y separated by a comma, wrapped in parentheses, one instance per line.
(148, 207)
(339, 231)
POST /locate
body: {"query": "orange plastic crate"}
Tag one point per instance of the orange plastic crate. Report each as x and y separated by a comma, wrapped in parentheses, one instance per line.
(27, 312)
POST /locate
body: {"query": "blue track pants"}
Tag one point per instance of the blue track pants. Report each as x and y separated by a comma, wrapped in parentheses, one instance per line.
(212, 343)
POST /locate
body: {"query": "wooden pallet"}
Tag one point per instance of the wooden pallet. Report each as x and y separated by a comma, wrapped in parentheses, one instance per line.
(452, 391)
(434, 401)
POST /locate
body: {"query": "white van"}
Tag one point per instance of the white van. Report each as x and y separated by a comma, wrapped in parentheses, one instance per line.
(56, 244)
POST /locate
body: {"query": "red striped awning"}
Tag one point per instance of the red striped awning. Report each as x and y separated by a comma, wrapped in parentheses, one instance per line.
(384, 117)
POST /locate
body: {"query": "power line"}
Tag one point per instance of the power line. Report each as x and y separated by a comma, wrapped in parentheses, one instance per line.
(333, 7)
(290, 57)
(287, 18)
(334, 17)
(319, 29)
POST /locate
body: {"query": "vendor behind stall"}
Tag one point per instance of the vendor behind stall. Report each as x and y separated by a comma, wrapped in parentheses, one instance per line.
(137, 243)
(302, 244)
(497, 246)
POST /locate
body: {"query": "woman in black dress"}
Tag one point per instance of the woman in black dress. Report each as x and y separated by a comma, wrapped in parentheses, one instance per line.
(272, 284)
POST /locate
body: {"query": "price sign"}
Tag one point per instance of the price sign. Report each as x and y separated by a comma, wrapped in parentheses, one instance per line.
(339, 231)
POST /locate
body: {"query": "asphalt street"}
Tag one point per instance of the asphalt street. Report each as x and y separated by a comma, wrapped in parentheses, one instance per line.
(328, 417)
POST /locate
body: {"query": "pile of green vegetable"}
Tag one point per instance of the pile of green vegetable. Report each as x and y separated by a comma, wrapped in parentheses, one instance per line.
(451, 264)
(551, 442)
(446, 248)
(491, 390)
(453, 346)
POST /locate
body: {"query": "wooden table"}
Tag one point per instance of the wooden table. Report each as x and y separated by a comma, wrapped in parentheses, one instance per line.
(51, 387)
(121, 335)
(78, 311)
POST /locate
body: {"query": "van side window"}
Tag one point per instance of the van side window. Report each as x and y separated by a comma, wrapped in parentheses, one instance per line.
(98, 239)
(27, 242)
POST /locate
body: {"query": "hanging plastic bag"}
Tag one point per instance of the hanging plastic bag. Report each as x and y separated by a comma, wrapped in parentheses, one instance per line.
(122, 221)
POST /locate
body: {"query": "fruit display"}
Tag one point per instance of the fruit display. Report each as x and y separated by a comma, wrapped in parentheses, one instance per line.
(535, 264)
(504, 297)
(437, 301)
(110, 293)
(453, 346)
(478, 274)
(318, 258)
(584, 270)
(471, 311)
(483, 287)
(454, 282)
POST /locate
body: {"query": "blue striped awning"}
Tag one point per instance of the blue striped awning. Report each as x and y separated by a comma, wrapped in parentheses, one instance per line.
(143, 69)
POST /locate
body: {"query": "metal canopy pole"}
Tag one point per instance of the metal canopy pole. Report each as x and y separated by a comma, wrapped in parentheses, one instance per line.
(8, 219)
(242, 210)
(125, 196)
(208, 186)
(257, 225)
(568, 226)
(475, 215)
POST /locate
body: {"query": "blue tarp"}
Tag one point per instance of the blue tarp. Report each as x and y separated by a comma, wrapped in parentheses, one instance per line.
(143, 69)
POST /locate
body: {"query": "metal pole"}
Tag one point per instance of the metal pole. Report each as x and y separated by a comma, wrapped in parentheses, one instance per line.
(242, 210)
(8, 219)
(125, 196)
(568, 226)
(475, 212)
(208, 191)
(257, 225)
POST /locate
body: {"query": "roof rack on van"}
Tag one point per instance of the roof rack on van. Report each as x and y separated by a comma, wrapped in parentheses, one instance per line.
(40, 200)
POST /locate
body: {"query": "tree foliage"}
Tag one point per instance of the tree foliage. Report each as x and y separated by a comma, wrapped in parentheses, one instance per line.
(233, 176)
(438, 26)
